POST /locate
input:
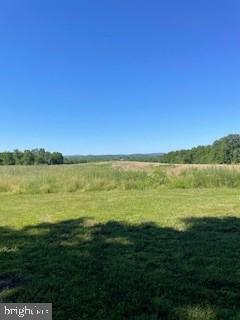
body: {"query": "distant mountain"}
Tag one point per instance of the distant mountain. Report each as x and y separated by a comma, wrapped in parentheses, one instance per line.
(152, 157)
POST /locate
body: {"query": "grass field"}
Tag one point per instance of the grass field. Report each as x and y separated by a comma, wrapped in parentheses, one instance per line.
(106, 242)
(114, 176)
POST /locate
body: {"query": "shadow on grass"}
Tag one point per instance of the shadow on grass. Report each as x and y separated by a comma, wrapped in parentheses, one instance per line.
(118, 271)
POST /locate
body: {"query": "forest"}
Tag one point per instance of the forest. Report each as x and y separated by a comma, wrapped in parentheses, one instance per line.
(31, 157)
(223, 151)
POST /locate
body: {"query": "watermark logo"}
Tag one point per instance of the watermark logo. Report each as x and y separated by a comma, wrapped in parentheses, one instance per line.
(26, 311)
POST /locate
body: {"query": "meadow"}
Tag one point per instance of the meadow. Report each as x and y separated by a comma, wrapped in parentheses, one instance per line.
(122, 241)
(114, 176)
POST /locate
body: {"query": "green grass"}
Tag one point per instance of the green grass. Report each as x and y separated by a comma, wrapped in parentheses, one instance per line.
(136, 254)
(92, 177)
(54, 179)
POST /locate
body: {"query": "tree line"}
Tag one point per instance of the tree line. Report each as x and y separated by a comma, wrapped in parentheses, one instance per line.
(223, 151)
(31, 157)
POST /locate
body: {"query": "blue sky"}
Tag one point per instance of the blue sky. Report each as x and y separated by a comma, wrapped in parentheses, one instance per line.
(97, 77)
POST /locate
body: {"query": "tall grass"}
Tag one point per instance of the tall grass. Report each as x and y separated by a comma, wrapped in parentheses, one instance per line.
(206, 178)
(54, 179)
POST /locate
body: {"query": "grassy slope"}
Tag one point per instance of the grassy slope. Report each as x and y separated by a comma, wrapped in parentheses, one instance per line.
(166, 254)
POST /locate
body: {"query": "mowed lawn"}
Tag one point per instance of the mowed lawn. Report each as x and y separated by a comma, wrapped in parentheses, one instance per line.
(130, 254)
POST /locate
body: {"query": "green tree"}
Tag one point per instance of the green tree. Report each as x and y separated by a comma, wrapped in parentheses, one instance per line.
(56, 158)
(18, 157)
(7, 158)
(28, 157)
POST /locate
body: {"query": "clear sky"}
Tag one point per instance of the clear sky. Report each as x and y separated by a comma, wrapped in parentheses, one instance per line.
(118, 76)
